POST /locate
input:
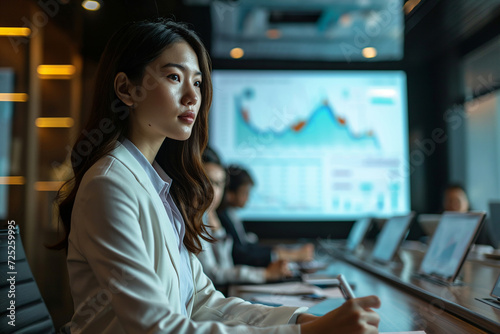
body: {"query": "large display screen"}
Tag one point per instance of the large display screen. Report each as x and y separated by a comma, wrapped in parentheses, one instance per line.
(320, 145)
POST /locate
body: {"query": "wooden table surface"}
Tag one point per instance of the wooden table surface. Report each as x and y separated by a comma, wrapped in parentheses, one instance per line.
(410, 303)
(433, 307)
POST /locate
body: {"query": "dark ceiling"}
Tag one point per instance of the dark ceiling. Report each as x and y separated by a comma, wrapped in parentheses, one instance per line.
(433, 27)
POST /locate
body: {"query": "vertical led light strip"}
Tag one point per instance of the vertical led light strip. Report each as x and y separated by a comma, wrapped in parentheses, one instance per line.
(6, 111)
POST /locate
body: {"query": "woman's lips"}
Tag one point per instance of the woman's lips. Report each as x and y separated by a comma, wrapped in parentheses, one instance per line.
(187, 117)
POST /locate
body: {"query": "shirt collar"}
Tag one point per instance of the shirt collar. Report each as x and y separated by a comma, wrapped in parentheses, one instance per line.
(160, 180)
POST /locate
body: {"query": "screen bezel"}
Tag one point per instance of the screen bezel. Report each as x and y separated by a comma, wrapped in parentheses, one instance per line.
(363, 235)
(494, 229)
(495, 292)
(450, 279)
(410, 218)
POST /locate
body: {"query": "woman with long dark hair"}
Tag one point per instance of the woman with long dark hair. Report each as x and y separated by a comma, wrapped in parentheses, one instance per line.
(133, 216)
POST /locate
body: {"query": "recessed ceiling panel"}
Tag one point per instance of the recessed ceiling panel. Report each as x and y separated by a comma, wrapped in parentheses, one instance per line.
(362, 30)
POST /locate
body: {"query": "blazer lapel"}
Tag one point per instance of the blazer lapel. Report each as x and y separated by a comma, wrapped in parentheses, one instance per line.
(121, 153)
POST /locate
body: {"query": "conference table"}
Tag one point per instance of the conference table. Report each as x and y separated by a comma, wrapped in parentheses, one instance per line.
(411, 303)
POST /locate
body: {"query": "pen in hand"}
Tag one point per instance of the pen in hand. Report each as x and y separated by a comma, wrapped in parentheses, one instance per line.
(345, 288)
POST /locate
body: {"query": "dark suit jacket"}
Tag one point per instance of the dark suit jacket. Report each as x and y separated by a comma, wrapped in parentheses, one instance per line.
(244, 252)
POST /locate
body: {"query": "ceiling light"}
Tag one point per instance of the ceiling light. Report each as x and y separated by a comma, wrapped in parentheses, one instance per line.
(12, 180)
(236, 53)
(13, 97)
(55, 71)
(48, 185)
(15, 31)
(369, 52)
(410, 5)
(54, 122)
(91, 5)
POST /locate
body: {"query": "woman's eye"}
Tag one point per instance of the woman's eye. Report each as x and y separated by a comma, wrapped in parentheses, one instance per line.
(197, 83)
(174, 77)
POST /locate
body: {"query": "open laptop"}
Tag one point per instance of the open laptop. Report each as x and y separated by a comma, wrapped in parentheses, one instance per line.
(495, 293)
(357, 234)
(494, 222)
(390, 238)
(450, 245)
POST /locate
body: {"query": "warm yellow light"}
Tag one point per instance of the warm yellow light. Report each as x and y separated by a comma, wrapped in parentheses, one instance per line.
(236, 53)
(91, 5)
(55, 71)
(15, 31)
(369, 52)
(13, 97)
(54, 122)
(273, 33)
(12, 180)
(48, 185)
(410, 5)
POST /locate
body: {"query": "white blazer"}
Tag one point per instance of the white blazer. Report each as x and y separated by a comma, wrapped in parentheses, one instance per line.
(123, 264)
(217, 261)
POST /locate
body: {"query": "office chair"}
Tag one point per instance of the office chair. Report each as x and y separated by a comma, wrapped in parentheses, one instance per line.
(31, 314)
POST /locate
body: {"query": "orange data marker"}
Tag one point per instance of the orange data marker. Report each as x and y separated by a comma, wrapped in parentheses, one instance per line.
(244, 113)
(297, 127)
(341, 120)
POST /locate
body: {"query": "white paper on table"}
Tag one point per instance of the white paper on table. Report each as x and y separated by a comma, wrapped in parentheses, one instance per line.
(321, 280)
(288, 288)
(285, 300)
(414, 332)
(331, 293)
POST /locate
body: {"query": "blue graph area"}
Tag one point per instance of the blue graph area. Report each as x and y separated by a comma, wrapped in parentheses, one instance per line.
(322, 128)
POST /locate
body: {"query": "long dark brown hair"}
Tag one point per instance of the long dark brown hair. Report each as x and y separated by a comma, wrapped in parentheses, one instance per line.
(130, 50)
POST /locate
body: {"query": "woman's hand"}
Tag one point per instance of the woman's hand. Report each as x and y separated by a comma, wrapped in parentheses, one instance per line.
(305, 317)
(355, 316)
(277, 270)
(302, 254)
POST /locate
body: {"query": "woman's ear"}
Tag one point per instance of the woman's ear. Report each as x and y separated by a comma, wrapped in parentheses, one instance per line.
(123, 88)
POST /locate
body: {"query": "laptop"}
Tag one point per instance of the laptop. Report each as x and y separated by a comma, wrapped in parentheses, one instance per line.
(495, 293)
(391, 237)
(357, 234)
(450, 245)
(493, 222)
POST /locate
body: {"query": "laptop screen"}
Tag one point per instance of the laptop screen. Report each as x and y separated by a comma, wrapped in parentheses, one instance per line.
(391, 237)
(357, 233)
(450, 244)
(496, 289)
(494, 223)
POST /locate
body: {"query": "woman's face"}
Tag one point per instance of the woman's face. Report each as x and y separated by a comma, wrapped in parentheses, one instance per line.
(240, 197)
(455, 199)
(169, 97)
(217, 176)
